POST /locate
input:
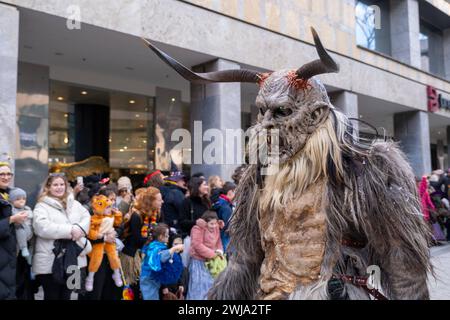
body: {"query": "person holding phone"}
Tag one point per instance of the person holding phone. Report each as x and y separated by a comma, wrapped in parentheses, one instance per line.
(58, 215)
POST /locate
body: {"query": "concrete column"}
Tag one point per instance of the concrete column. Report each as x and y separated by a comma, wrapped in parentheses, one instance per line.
(405, 29)
(412, 129)
(347, 102)
(9, 51)
(440, 154)
(446, 42)
(215, 108)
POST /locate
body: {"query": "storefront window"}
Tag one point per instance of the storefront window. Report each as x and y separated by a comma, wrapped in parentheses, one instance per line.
(62, 125)
(115, 125)
(373, 25)
(131, 133)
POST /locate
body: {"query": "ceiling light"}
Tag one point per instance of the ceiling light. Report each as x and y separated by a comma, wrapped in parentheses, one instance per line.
(121, 150)
(84, 93)
(66, 115)
(173, 99)
(60, 98)
(125, 148)
(132, 102)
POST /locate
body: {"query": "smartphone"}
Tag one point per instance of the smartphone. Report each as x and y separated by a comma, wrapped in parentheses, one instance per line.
(80, 181)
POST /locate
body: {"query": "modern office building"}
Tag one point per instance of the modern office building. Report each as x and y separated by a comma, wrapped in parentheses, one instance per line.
(76, 79)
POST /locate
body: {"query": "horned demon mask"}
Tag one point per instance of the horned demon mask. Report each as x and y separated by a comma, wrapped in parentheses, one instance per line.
(291, 101)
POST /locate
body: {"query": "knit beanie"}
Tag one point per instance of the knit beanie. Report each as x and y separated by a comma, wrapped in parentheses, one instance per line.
(124, 183)
(16, 193)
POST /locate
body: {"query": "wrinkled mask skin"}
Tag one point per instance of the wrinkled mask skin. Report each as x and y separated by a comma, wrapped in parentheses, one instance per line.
(295, 112)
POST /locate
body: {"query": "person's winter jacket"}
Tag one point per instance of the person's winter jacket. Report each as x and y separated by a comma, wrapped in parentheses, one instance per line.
(224, 209)
(204, 242)
(27, 225)
(193, 209)
(425, 199)
(8, 253)
(173, 197)
(51, 222)
(215, 195)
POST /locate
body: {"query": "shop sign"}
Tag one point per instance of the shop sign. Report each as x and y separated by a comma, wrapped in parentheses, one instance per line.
(436, 101)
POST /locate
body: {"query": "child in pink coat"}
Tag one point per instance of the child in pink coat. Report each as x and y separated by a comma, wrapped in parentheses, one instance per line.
(205, 245)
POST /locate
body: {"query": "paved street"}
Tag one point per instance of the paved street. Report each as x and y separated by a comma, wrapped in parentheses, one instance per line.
(440, 287)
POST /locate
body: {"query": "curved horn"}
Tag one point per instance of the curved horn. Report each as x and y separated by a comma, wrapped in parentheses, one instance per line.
(238, 75)
(325, 64)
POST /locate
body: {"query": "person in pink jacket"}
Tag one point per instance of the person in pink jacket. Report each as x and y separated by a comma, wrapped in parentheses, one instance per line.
(205, 245)
(425, 199)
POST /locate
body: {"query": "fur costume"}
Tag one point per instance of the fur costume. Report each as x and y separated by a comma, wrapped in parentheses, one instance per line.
(103, 222)
(338, 203)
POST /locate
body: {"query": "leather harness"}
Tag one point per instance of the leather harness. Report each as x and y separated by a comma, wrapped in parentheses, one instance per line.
(359, 281)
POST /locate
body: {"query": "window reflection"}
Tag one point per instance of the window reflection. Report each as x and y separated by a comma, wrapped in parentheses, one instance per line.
(373, 25)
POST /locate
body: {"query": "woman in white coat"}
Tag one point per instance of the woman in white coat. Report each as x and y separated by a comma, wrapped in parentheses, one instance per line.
(57, 216)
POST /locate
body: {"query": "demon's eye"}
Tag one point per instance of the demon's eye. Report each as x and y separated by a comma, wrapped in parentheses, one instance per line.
(282, 112)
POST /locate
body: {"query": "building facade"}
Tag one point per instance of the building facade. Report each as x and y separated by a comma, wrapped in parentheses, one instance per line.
(77, 81)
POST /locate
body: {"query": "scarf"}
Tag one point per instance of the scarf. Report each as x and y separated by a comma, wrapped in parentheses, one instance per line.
(224, 197)
(150, 221)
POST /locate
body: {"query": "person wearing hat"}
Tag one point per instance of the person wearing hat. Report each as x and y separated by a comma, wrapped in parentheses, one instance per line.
(154, 179)
(24, 231)
(8, 249)
(125, 195)
(25, 284)
(173, 193)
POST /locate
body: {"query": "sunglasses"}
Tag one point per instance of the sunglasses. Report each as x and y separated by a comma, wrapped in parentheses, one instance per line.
(57, 174)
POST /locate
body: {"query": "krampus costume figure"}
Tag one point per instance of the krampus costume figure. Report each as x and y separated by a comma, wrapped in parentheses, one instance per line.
(337, 205)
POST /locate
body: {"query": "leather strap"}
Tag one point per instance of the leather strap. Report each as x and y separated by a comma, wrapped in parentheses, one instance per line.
(353, 243)
(361, 281)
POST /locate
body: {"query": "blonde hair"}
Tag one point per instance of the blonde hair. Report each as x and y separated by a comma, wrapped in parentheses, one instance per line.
(214, 182)
(46, 188)
(306, 168)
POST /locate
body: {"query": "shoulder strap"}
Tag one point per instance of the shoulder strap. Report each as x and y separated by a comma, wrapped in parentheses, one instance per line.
(85, 235)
